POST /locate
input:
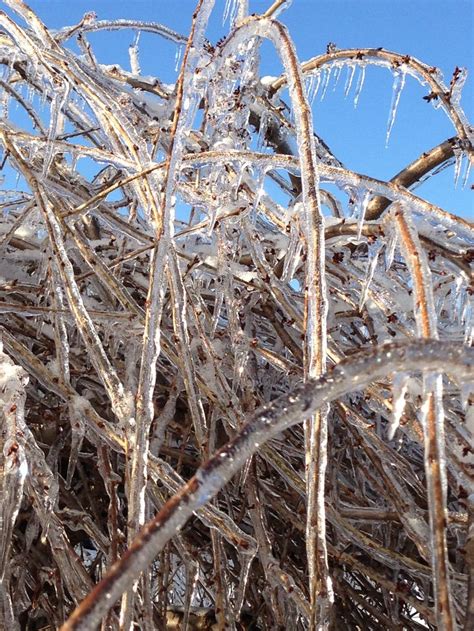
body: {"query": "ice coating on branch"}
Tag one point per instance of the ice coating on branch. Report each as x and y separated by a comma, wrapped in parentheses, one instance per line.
(285, 412)
(13, 380)
(286, 4)
(457, 84)
(164, 263)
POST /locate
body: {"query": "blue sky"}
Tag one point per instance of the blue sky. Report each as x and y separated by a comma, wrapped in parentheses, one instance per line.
(438, 32)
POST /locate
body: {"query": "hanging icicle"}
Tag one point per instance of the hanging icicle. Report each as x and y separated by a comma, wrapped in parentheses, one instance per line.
(398, 84)
(360, 85)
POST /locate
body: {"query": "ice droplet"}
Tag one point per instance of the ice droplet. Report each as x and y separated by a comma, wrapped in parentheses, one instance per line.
(398, 84)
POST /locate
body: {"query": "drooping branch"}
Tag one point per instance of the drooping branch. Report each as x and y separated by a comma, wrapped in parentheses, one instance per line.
(424, 73)
(287, 411)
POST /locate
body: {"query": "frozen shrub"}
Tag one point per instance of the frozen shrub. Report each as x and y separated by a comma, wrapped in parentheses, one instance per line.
(194, 291)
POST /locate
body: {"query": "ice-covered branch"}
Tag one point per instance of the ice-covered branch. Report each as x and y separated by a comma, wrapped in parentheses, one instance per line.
(287, 411)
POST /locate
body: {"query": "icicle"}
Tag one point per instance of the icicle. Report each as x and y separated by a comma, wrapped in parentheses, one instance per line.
(262, 131)
(398, 84)
(190, 107)
(133, 54)
(312, 86)
(230, 12)
(258, 178)
(77, 436)
(360, 84)
(350, 76)
(372, 259)
(58, 102)
(44, 99)
(30, 93)
(458, 313)
(218, 304)
(390, 249)
(241, 355)
(458, 157)
(326, 77)
(177, 57)
(293, 253)
(362, 200)
(469, 323)
(399, 390)
(246, 559)
(240, 170)
(467, 171)
(337, 74)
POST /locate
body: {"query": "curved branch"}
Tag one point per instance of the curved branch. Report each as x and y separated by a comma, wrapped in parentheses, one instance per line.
(412, 173)
(347, 376)
(428, 74)
(337, 175)
(115, 25)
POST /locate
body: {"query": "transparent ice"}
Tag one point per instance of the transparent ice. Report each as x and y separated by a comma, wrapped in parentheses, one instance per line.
(215, 331)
